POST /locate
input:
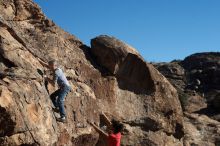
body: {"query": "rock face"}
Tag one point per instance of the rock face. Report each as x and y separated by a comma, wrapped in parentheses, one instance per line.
(196, 79)
(25, 106)
(131, 90)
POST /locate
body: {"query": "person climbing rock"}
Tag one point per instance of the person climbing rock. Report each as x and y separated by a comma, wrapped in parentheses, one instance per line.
(59, 95)
(113, 137)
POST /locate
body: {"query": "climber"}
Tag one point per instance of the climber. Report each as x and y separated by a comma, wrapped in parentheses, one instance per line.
(113, 137)
(64, 87)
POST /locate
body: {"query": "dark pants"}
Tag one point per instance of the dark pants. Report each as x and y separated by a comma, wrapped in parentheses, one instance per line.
(59, 102)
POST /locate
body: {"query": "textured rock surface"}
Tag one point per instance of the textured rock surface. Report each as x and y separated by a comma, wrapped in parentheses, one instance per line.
(136, 93)
(201, 130)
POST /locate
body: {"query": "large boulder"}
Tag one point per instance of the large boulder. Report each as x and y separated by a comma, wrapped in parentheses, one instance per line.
(140, 93)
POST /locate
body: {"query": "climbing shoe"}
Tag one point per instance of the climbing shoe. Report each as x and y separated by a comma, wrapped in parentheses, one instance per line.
(61, 119)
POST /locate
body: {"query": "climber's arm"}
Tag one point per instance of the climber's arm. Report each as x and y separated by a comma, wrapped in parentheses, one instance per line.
(99, 130)
(43, 63)
(50, 81)
(55, 78)
(107, 121)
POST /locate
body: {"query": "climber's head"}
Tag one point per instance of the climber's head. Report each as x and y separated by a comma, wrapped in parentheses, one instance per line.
(52, 64)
(116, 126)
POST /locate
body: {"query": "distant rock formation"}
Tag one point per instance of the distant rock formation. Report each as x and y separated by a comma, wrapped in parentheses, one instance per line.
(197, 80)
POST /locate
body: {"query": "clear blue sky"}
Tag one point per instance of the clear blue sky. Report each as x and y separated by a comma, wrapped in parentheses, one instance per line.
(161, 30)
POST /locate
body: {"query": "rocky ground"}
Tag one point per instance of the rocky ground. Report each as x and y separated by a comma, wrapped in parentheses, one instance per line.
(109, 76)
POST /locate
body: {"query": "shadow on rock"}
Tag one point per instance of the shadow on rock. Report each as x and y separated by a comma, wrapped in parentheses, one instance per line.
(7, 125)
(134, 75)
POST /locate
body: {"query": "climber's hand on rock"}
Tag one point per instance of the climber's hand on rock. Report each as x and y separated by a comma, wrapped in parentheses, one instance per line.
(103, 113)
(89, 122)
(46, 78)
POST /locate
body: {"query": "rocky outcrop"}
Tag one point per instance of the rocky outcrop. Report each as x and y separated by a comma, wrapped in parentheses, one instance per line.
(205, 68)
(130, 90)
(199, 76)
(196, 79)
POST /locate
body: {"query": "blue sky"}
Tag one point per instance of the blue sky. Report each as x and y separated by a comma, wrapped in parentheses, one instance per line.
(161, 30)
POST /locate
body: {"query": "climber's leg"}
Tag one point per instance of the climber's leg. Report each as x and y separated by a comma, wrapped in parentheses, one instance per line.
(53, 97)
